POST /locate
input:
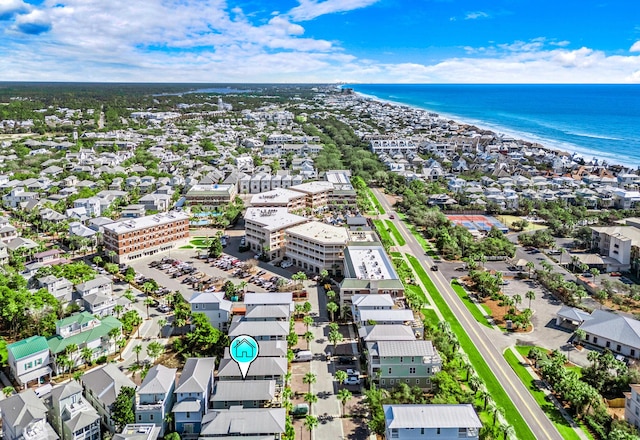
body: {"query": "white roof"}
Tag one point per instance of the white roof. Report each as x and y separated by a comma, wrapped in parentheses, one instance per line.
(148, 221)
(280, 196)
(369, 263)
(273, 219)
(372, 300)
(394, 315)
(430, 416)
(320, 233)
(251, 298)
(313, 187)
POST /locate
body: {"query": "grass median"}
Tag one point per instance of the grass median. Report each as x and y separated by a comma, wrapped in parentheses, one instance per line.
(396, 234)
(512, 415)
(384, 234)
(477, 313)
(549, 408)
(376, 202)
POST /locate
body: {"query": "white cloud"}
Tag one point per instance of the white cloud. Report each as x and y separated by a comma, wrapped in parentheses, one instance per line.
(635, 47)
(310, 9)
(9, 8)
(207, 41)
(476, 15)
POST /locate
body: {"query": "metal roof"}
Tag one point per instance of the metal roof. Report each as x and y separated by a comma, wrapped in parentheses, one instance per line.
(406, 348)
(196, 375)
(262, 366)
(235, 390)
(259, 328)
(430, 416)
(617, 328)
(28, 347)
(241, 421)
(158, 380)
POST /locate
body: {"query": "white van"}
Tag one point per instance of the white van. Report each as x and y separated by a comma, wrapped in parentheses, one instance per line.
(303, 356)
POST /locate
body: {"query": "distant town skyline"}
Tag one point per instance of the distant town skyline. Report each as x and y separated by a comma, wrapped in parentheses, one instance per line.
(365, 41)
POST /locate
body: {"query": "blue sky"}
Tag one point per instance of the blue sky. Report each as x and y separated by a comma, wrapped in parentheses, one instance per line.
(367, 41)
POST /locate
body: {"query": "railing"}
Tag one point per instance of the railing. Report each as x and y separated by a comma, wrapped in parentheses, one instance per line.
(149, 406)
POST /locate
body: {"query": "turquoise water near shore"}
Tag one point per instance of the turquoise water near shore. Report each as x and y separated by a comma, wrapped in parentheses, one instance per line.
(593, 120)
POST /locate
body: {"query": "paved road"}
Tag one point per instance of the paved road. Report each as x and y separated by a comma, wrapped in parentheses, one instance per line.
(534, 416)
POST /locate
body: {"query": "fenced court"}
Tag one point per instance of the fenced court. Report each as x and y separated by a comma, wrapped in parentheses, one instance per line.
(477, 223)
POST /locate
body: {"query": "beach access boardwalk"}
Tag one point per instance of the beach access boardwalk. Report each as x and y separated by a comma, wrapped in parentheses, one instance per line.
(526, 405)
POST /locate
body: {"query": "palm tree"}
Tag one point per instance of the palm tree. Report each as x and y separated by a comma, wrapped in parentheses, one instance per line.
(309, 378)
(118, 309)
(121, 342)
(475, 383)
(114, 333)
(579, 335)
(161, 323)
(497, 413)
(154, 349)
(87, 355)
(331, 295)
(530, 295)
(308, 336)
(311, 423)
(310, 398)
(517, 299)
(137, 349)
(344, 395)
(307, 320)
(335, 337)
(485, 395)
(507, 430)
(134, 368)
(148, 302)
(530, 265)
(332, 308)
(340, 376)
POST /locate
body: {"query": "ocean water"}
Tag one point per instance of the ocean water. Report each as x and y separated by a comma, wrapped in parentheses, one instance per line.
(600, 121)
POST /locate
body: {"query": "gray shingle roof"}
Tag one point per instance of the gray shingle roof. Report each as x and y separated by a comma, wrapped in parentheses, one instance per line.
(617, 328)
(235, 390)
(190, 405)
(390, 332)
(105, 382)
(431, 416)
(21, 409)
(268, 298)
(196, 375)
(158, 380)
(234, 421)
(268, 311)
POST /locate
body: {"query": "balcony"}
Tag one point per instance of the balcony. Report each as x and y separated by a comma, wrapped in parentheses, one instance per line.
(150, 406)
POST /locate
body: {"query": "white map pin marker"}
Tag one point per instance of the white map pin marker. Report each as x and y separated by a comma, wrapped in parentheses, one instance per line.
(244, 350)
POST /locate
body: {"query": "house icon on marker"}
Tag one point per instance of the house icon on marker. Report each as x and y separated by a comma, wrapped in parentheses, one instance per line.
(244, 349)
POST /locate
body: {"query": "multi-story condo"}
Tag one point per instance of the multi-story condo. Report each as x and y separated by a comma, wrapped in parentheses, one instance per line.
(317, 246)
(368, 270)
(140, 237)
(24, 417)
(155, 398)
(392, 146)
(192, 396)
(343, 194)
(211, 197)
(265, 230)
(294, 201)
(84, 331)
(317, 194)
(431, 422)
(391, 363)
(29, 359)
(214, 305)
(71, 415)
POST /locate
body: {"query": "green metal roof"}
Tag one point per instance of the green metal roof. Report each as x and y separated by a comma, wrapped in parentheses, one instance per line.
(27, 347)
(80, 318)
(57, 343)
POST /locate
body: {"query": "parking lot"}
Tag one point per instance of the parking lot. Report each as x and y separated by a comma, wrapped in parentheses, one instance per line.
(184, 272)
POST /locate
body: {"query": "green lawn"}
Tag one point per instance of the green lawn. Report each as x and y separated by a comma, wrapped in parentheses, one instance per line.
(430, 315)
(376, 202)
(396, 255)
(473, 308)
(512, 415)
(549, 408)
(396, 234)
(382, 231)
(417, 290)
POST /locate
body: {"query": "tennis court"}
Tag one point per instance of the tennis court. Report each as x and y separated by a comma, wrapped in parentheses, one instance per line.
(474, 223)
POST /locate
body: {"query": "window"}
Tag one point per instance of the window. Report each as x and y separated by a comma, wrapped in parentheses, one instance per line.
(139, 417)
(151, 417)
(389, 370)
(412, 370)
(394, 433)
(608, 344)
(188, 415)
(438, 431)
(618, 347)
(462, 432)
(401, 359)
(632, 352)
(417, 381)
(595, 339)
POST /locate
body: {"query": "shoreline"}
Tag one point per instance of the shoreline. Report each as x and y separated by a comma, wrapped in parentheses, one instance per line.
(554, 146)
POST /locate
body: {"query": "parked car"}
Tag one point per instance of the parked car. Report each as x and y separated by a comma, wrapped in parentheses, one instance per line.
(300, 410)
(352, 372)
(352, 380)
(345, 360)
(303, 356)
